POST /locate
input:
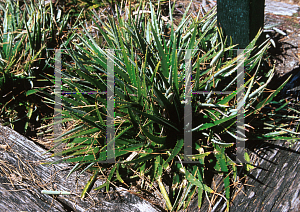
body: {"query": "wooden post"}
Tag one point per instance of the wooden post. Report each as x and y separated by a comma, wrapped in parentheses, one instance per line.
(240, 19)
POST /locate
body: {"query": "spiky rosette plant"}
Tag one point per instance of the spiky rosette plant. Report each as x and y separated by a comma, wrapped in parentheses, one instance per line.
(25, 33)
(149, 72)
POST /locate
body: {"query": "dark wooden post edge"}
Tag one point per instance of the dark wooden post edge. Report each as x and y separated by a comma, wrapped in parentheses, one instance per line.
(241, 19)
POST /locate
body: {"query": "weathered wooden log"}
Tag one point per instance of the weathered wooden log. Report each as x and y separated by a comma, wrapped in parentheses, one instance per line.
(272, 186)
(275, 182)
(22, 178)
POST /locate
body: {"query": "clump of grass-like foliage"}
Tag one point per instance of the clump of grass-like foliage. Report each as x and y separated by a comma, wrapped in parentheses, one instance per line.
(149, 66)
(26, 31)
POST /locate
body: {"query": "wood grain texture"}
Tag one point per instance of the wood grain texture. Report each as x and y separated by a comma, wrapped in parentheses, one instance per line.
(276, 182)
(22, 177)
(273, 185)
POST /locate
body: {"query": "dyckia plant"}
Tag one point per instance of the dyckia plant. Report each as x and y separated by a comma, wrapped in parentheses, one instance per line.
(25, 33)
(149, 66)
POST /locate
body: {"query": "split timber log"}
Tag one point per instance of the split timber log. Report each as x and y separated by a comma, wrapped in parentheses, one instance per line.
(275, 181)
(273, 186)
(22, 178)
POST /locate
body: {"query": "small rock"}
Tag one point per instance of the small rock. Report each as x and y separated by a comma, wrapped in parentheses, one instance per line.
(280, 8)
